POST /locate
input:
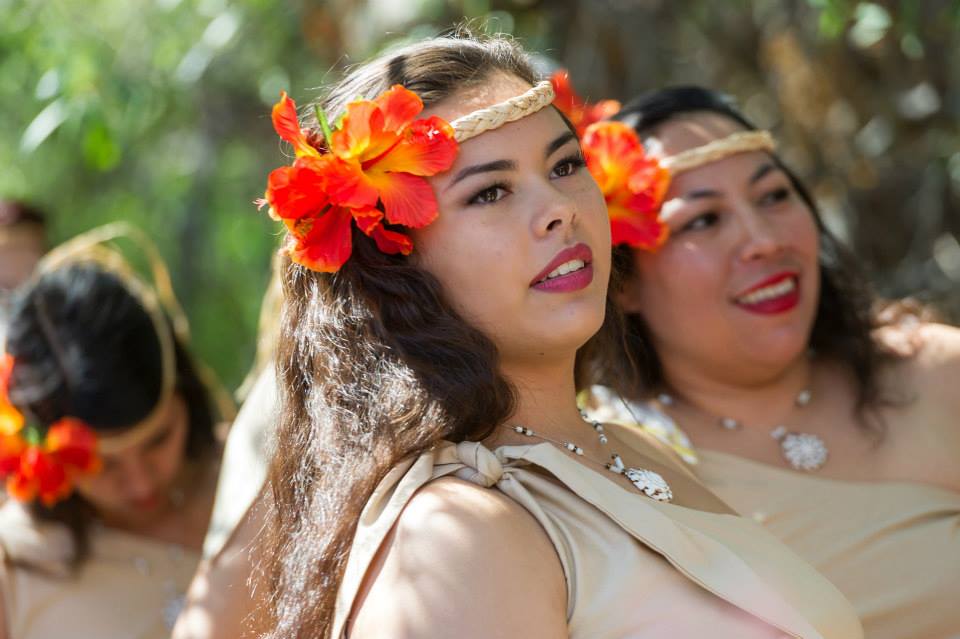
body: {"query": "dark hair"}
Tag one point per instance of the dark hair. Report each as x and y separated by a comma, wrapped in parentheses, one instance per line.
(84, 346)
(15, 213)
(374, 366)
(844, 323)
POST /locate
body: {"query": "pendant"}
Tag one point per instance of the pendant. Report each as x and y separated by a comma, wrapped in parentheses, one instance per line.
(648, 482)
(802, 451)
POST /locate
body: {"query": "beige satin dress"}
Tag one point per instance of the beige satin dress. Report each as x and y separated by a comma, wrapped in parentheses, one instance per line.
(635, 568)
(130, 588)
(893, 548)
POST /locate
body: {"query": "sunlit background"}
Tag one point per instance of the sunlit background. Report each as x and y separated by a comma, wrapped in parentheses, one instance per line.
(157, 112)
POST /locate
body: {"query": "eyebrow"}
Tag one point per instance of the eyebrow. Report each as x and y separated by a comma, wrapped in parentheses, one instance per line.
(508, 165)
(759, 174)
(559, 142)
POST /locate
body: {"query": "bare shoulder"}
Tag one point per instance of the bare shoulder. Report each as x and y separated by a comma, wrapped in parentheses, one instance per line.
(924, 432)
(930, 355)
(464, 561)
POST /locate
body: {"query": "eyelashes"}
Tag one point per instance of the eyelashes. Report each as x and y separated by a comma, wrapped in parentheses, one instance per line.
(496, 191)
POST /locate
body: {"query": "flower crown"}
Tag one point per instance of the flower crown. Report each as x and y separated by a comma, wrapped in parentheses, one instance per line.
(633, 184)
(369, 169)
(37, 464)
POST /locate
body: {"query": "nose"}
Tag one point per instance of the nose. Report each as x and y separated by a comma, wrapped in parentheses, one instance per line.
(555, 213)
(138, 478)
(759, 235)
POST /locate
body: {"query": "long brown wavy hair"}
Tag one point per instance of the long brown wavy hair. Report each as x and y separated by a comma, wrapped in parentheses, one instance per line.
(374, 366)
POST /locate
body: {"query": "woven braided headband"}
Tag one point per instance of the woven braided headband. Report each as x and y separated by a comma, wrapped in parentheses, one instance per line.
(493, 117)
(741, 142)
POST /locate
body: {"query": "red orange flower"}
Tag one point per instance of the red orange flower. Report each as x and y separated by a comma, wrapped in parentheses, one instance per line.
(580, 113)
(632, 183)
(371, 171)
(42, 466)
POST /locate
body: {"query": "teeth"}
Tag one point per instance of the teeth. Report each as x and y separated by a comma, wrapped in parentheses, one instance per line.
(563, 269)
(769, 292)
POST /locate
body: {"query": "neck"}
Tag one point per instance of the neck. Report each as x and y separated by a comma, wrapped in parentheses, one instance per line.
(748, 396)
(546, 398)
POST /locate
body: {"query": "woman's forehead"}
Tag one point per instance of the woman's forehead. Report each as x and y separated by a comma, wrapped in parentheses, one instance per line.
(688, 131)
(500, 86)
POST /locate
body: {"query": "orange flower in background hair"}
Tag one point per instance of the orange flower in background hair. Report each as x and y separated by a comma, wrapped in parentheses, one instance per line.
(372, 171)
(580, 113)
(37, 465)
(632, 183)
(11, 421)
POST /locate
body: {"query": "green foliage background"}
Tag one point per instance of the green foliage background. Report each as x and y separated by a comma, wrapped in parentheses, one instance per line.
(157, 112)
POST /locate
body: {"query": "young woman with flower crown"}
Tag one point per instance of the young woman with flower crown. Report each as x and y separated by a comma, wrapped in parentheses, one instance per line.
(107, 448)
(433, 476)
(831, 423)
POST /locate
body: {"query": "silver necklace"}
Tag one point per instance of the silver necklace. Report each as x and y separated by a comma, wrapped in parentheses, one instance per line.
(651, 484)
(803, 451)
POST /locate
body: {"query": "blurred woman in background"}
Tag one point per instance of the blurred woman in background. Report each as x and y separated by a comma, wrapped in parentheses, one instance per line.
(826, 417)
(113, 464)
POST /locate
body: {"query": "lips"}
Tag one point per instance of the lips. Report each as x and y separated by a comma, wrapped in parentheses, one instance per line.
(570, 270)
(776, 294)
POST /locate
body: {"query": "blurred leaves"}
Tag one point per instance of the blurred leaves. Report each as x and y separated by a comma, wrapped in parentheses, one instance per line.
(157, 111)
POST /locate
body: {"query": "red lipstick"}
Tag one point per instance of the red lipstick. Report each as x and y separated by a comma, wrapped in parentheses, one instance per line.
(777, 301)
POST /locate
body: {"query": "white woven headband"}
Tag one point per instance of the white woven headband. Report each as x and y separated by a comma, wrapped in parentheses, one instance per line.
(493, 117)
(741, 142)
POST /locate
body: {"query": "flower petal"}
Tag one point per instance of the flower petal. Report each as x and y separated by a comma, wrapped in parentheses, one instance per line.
(73, 444)
(367, 219)
(346, 185)
(11, 420)
(39, 474)
(297, 191)
(361, 136)
(11, 447)
(391, 241)
(642, 231)
(327, 244)
(287, 126)
(399, 106)
(427, 148)
(407, 199)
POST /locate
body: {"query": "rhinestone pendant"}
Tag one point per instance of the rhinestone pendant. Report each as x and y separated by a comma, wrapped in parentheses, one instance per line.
(648, 482)
(802, 451)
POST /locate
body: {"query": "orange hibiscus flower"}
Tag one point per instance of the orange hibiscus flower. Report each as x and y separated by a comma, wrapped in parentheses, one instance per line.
(49, 469)
(632, 183)
(580, 113)
(371, 172)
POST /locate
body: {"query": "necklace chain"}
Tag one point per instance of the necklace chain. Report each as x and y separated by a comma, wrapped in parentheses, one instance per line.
(803, 451)
(648, 482)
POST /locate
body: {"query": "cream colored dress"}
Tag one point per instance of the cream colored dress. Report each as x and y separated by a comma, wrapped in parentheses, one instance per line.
(893, 548)
(130, 588)
(635, 568)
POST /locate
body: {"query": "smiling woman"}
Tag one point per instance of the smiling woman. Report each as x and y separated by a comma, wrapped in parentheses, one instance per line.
(433, 476)
(757, 336)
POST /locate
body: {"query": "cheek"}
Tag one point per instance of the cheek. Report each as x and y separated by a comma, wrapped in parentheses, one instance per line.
(475, 263)
(681, 275)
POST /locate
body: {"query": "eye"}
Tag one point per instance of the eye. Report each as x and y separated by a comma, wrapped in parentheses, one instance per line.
(776, 196)
(489, 195)
(702, 221)
(569, 165)
(159, 440)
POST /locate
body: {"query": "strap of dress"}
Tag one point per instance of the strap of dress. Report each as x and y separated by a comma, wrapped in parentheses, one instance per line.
(725, 554)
